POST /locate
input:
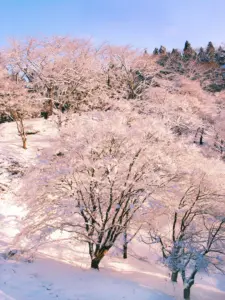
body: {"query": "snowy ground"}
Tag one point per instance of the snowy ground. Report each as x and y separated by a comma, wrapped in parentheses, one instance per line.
(61, 270)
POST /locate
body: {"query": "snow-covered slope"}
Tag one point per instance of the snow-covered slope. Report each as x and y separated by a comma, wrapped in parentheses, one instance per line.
(61, 270)
(47, 279)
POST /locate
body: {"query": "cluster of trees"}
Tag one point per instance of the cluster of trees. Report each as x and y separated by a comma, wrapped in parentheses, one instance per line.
(114, 171)
(114, 174)
(58, 74)
(205, 65)
(194, 237)
(209, 54)
(51, 76)
(70, 72)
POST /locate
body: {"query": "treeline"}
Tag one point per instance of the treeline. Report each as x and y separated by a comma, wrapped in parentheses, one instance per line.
(205, 64)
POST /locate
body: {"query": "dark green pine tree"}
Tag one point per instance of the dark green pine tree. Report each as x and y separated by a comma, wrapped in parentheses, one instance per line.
(187, 46)
(162, 50)
(145, 51)
(188, 52)
(156, 51)
(220, 56)
(201, 55)
(210, 51)
(175, 53)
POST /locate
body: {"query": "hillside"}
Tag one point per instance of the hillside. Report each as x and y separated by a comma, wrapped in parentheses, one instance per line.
(63, 272)
(205, 65)
(108, 154)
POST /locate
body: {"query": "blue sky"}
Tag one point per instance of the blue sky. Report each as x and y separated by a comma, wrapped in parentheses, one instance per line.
(140, 23)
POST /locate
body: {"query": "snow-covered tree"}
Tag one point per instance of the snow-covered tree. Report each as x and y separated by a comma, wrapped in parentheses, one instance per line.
(188, 51)
(60, 70)
(15, 101)
(107, 172)
(206, 253)
(210, 51)
(180, 106)
(162, 50)
(127, 71)
(156, 51)
(194, 237)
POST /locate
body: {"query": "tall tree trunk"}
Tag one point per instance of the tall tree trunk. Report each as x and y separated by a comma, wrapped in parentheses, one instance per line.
(201, 137)
(18, 117)
(95, 263)
(188, 283)
(50, 107)
(98, 256)
(50, 102)
(174, 276)
(125, 244)
(196, 135)
(187, 293)
(22, 132)
(24, 142)
(125, 251)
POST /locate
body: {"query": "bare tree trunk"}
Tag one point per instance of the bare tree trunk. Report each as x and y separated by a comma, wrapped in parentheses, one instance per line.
(201, 137)
(21, 130)
(196, 135)
(97, 257)
(199, 133)
(95, 263)
(125, 244)
(50, 107)
(24, 139)
(108, 81)
(126, 241)
(50, 102)
(201, 140)
(221, 146)
(187, 293)
(174, 276)
(188, 283)
(18, 117)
